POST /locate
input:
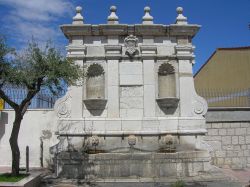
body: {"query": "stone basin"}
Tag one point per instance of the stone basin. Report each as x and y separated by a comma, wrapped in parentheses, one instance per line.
(76, 165)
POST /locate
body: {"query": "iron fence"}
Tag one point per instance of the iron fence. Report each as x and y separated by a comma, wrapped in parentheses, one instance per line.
(214, 97)
(44, 99)
(226, 98)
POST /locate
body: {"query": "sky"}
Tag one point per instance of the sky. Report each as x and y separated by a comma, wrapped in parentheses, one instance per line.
(224, 22)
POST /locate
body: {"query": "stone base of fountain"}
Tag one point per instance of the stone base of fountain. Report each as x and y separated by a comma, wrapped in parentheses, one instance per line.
(77, 165)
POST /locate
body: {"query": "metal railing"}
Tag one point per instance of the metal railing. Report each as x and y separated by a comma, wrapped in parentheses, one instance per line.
(44, 99)
(226, 98)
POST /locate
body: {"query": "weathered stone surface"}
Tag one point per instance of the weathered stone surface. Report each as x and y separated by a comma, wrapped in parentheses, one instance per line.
(222, 131)
(226, 140)
(126, 91)
(130, 68)
(131, 102)
(233, 144)
(212, 132)
(235, 140)
(110, 165)
(240, 131)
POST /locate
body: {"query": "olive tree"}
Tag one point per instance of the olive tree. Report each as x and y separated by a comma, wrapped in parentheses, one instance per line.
(33, 69)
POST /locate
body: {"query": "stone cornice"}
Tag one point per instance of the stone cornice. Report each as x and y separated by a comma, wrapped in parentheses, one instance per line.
(184, 52)
(185, 56)
(113, 49)
(183, 30)
(124, 29)
(148, 49)
(122, 57)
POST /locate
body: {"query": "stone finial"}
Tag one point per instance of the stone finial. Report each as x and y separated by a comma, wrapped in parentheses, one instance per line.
(113, 18)
(180, 20)
(78, 19)
(147, 18)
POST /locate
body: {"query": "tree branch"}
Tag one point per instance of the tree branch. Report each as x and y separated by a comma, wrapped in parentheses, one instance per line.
(8, 100)
(31, 93)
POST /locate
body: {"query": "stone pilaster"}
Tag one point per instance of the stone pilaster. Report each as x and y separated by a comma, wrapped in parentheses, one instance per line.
(113, 88)
(186, 82)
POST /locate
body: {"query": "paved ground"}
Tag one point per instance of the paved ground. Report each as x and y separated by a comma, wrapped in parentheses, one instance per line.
(154, 184)
(241, 175)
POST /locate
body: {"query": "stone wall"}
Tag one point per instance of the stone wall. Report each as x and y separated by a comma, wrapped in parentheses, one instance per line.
(229, 137)
(131, 101)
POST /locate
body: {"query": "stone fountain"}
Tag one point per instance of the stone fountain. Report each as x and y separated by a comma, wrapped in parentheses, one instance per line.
(135, 113)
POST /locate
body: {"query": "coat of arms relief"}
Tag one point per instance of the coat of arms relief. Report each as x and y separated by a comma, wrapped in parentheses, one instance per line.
(131, 44)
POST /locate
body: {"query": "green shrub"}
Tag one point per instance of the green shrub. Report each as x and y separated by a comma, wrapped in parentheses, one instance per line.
(7, 177)
(178, 183)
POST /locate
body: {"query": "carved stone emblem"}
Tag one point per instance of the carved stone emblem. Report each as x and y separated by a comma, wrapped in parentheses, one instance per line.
(200, 105)
(131, 43)
(62, 106)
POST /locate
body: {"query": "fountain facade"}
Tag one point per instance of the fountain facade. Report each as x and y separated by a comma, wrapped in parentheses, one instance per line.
(135, 112)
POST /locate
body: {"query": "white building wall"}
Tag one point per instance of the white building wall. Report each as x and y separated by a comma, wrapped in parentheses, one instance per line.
(35, 125)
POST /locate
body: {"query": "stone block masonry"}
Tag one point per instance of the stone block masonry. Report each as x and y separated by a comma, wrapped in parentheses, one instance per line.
(230, 143)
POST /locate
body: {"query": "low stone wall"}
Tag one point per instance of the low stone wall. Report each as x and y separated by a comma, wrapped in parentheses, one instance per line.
(229, 137)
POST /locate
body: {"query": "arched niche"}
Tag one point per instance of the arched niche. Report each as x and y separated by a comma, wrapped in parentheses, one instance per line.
(166, 81)
(95, 82)
(95, 100)
(167, 97)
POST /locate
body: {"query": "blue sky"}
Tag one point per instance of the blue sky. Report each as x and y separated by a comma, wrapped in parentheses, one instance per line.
(224, 22)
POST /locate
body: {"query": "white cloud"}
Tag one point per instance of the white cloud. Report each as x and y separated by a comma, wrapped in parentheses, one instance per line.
(39, 10)
(37, 18)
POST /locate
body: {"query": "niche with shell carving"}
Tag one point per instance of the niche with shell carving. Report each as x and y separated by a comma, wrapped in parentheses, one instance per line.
(167, 86)
(95, 100)
(95, 82)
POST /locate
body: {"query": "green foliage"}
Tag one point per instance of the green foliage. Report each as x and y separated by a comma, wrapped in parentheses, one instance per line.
(36, 68)
(33, 69)
(7, 177)
(4, 52)
(178, 183)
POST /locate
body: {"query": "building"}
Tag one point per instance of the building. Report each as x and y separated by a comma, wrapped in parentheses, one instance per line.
(224, 80)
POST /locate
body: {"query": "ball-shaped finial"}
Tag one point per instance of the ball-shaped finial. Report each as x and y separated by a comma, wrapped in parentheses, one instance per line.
(113, 18)
(78, 9)
(179, 10)
(78, 18)
(113, 9)
(147, 9)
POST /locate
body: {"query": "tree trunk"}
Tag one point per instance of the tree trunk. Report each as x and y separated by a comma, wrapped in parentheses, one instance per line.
(14, 144)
